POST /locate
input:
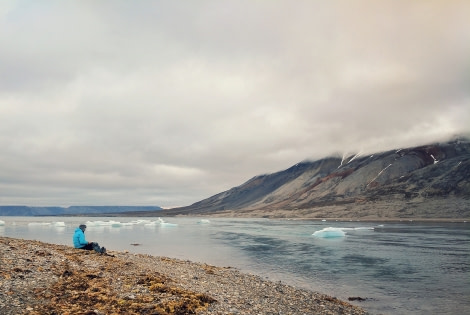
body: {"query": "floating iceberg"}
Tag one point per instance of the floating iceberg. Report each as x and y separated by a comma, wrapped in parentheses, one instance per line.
(163, 223)
(58, 224)
(367, 228)
(117, 224)
(332, 232)
(204, 221)
(2, 222)
(160, 222)
(111, 223)
(152, 223)
(329, 232)
(140, 222)
(35, 224)
(93, 223)
(166, 224)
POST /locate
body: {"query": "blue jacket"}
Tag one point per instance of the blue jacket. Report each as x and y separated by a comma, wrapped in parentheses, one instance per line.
(79, 240)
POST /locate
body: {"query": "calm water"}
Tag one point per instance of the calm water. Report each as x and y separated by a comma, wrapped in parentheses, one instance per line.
(401, 268)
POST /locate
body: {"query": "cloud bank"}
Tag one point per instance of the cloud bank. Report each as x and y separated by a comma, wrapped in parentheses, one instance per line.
(160, 103)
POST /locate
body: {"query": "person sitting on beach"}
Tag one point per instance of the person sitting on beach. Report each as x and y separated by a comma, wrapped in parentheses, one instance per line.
(80, 242)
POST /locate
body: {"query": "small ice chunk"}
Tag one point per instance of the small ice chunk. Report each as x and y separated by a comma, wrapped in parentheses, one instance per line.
(329, 232)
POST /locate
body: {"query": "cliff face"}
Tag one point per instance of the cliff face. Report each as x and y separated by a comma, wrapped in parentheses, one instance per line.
(431, 181)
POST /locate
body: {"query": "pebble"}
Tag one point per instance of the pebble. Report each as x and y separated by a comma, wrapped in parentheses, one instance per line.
(40, 278)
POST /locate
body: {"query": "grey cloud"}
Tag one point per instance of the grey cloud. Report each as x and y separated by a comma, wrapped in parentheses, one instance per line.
(159, 103)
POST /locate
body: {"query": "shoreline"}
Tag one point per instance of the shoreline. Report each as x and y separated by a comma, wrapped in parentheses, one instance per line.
(230, 214)
(38, 278)
(333, 219)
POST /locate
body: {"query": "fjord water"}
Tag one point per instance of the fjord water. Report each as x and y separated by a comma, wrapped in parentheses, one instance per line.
(399, 268)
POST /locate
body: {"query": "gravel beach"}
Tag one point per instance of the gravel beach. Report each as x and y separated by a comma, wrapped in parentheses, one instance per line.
(41, 278)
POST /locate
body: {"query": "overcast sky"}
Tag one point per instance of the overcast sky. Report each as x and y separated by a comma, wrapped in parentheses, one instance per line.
(170, 102)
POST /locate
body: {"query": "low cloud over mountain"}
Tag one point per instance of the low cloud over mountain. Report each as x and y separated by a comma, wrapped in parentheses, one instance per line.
(429, 181)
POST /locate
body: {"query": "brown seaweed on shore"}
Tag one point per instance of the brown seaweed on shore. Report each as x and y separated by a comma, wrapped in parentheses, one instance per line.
(89, 291)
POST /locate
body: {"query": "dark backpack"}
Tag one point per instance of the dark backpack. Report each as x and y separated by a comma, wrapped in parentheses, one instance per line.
(98, 249)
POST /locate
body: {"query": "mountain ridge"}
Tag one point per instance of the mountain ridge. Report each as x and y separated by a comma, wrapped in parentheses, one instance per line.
(423, 182)
(20, 210)
(428, 181)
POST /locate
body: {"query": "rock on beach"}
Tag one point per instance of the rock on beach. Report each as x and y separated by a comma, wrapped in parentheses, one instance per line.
(41, 278)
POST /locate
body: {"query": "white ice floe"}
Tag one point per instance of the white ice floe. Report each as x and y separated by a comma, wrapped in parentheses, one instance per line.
(166, 224)
(204, 221)
(160, 222)
(39, 224)
(152, 223)
(334, 232)
(116, 224)
(140, 221)
(93, 223)
(110, 223)
(2, 223)
(58, 224)
(358, 228)
(330, 232)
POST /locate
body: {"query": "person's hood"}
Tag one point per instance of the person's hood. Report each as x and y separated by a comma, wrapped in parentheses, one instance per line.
(77, 229)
